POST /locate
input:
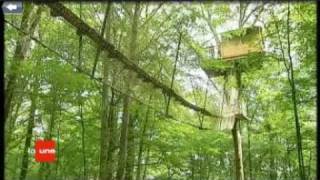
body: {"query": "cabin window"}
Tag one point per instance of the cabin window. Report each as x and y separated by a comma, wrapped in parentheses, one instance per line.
(212, 52)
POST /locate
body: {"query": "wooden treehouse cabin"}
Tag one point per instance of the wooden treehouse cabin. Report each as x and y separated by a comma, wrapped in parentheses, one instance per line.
(240, 50)
(235, 45)
(238, 44)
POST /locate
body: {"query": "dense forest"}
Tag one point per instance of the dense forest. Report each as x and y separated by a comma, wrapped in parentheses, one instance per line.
(161, 90)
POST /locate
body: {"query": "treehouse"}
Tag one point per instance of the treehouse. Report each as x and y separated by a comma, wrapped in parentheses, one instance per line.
(241, 44)
(240, 50)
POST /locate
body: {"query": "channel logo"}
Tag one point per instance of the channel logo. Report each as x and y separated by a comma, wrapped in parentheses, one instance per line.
(45, 151)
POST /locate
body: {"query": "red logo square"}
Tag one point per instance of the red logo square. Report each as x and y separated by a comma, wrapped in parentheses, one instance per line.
(45, 151)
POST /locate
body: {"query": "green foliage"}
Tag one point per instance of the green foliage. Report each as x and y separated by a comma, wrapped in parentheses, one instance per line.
(174, 146)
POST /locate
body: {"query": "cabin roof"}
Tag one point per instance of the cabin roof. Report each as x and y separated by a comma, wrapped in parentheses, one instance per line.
(243, 31)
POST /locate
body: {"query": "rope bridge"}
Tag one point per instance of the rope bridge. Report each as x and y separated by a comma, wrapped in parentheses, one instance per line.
(60, 10)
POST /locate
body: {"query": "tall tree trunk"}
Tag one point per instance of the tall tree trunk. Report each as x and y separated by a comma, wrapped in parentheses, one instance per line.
(294, 101)
(57, 175)
(112, 121)
(123, 140)
(146, 166)
(45, 168)
(20, 53)
(102, 32)
(237, 150)
(192, 167)
(131, 148)
(249, 142)
(288, 162)
(309, 166)
(80, 104)
(209, 168)
(132, 119)
(104, 133)
(141, 143)
(236, 135)
(290, 74)
(249, 150)
(83, 141)
(273, 170)
(31, 122)
(201, 168)
(122, 163)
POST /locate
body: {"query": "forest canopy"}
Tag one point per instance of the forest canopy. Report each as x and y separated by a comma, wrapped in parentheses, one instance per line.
(161, 90)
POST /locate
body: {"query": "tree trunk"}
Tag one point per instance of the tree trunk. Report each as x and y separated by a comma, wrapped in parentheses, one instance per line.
(146, 166)
(249, 142)
(288, 162)
(102, 32)
(25, 158)
(131, 148)
(125, 131)
(233, 100)
(45, 168)
(294, 101)
(141, 143)
(112, 121)
(249, 151)
(80, 105)
(83, 140)
(57, 175)
(192, 167)
(123, 140)
(309, 176)
(104, 133)
(290, 74)
(20, 53)
(237, 151)
(273, 169)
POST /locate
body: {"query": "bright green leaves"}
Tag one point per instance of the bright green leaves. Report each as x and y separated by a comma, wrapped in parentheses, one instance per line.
(176, 145)
(216, 64)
